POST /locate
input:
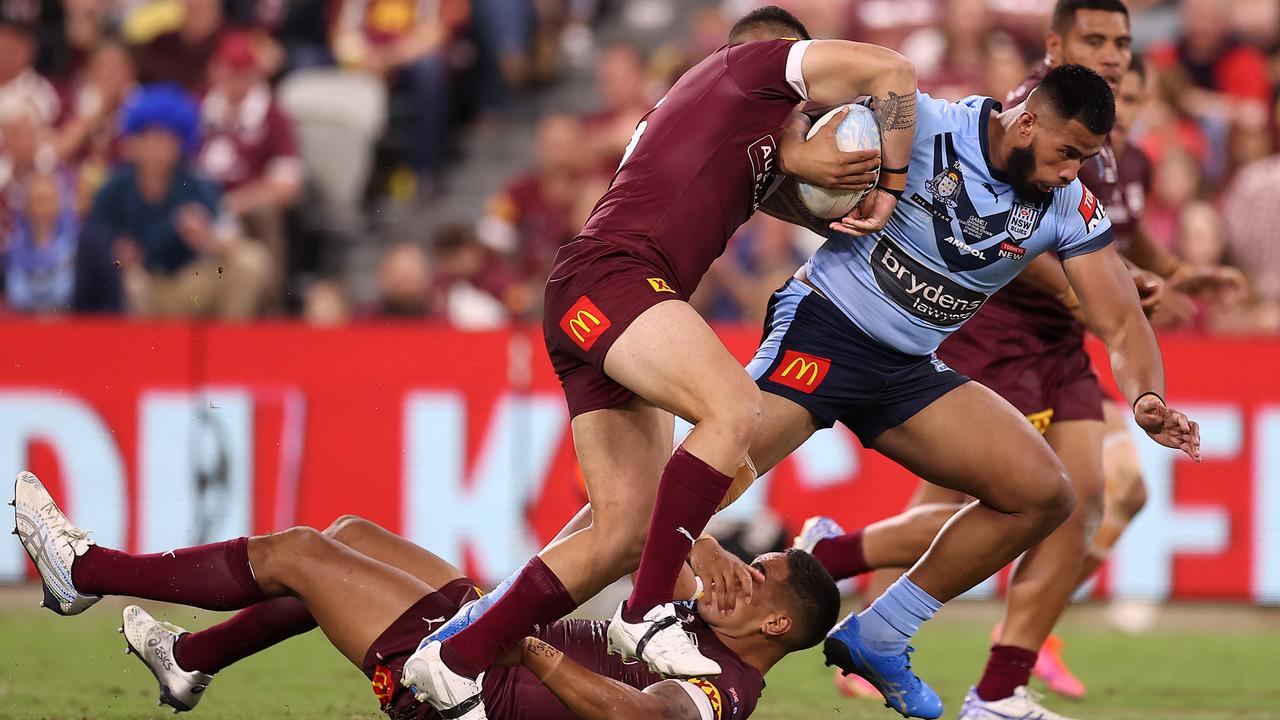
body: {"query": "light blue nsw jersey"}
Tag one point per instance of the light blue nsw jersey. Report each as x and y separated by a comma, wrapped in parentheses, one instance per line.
(957, 236)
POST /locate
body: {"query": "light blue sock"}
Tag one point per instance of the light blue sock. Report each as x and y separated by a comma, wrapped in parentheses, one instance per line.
(895, 617)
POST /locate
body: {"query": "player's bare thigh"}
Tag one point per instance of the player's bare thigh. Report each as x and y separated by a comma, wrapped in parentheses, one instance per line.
(373, 540)
(672, 358)
(973, 442)
(352, 597)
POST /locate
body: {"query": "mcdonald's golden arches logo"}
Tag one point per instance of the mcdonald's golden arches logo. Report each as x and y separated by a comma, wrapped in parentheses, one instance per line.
(801, 371)
(584, 323)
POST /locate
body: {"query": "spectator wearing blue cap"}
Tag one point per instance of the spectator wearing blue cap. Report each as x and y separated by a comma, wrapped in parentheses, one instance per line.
(161, 219)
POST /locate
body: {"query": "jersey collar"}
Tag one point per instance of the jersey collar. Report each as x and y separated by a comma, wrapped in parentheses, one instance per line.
(984, 138)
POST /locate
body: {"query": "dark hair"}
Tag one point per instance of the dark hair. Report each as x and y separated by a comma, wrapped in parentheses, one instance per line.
(769, 18)
(815, 604)
(1064, 13)
(1136, 65)
(453, 236)
(1075, 92)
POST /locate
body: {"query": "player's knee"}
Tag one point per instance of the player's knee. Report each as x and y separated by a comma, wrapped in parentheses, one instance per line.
(1053, 499)
(739, 414)
(1131, 501)
(274, 557)
(344, 527)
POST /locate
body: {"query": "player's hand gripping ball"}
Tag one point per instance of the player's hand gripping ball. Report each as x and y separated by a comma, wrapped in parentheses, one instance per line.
(858, 131)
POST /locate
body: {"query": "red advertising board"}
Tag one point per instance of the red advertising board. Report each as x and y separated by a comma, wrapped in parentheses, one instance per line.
(159, 435)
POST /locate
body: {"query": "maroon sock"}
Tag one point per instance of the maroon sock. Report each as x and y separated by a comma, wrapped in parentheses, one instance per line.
(842, 555)
(537, 597)
(688, 495)
(212, 577)
(1008, 667)
(249, 631)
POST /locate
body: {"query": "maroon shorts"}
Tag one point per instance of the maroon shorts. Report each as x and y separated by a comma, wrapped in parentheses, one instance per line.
(596, 290)
(388, 654)
(1055, 385)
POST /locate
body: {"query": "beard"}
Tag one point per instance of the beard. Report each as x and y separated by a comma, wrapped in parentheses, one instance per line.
(1021, 167)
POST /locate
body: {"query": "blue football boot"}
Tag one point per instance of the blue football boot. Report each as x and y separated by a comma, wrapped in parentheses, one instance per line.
(468, 613)
(890, 674)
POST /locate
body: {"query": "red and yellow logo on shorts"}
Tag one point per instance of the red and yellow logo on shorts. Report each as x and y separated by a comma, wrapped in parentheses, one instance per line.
(660, 285)
(384, 686)
(1041, 420)
(711, 691)
(800, 371)
(584, 323)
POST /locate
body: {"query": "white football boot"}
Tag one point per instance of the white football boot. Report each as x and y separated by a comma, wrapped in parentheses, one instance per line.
(661, 643)
(52, 542)
(455, 696)
(815, 530)
(1023, 704)
(152, 641)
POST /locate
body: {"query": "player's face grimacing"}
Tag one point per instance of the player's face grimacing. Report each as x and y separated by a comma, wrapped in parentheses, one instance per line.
(767, 610)
(1052, 156)
(1098, 40)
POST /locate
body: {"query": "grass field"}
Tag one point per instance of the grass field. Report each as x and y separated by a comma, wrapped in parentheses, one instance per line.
(72, 668)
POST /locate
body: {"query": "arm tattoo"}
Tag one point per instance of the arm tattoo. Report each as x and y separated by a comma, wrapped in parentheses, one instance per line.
(674, 702)
(540, 648)
(896, 112)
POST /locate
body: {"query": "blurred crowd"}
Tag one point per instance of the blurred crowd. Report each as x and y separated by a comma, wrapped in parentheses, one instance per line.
(214, 157)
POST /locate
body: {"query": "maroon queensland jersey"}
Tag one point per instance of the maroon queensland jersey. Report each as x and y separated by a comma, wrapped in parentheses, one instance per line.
(1128, 200)
(516, 694)
(702, 159)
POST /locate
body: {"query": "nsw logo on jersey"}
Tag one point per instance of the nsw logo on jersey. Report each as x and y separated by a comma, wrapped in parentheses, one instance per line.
(1091, 211)
(921, 291)
(1022, 221)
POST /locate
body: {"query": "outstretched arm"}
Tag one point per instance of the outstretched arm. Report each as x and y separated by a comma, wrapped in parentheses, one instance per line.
(1110, 304)
(595, 697)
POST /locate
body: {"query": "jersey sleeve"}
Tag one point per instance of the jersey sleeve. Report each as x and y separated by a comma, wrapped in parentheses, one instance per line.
(1083, 225)
(769, 69)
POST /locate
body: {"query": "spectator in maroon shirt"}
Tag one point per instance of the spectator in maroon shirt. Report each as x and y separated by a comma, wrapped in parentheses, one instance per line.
(87, 137)
(533, 216)
(183, 56)
(622, 82)
(472, 287)
(249, 147)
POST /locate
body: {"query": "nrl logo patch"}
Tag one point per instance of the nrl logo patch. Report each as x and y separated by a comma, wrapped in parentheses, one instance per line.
(945, 186)
(1022, 221)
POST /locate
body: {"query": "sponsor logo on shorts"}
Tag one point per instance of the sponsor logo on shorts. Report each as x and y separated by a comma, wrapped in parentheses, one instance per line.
(712, 692)
(584, 323)
(660, 285)
(921, 291)
(1009, 251)
(1022, 221)
(800, 371)
(384, 686)
(1041, 420)
(1091, 211)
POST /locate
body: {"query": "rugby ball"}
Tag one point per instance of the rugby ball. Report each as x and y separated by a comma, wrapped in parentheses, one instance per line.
(858, 131)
